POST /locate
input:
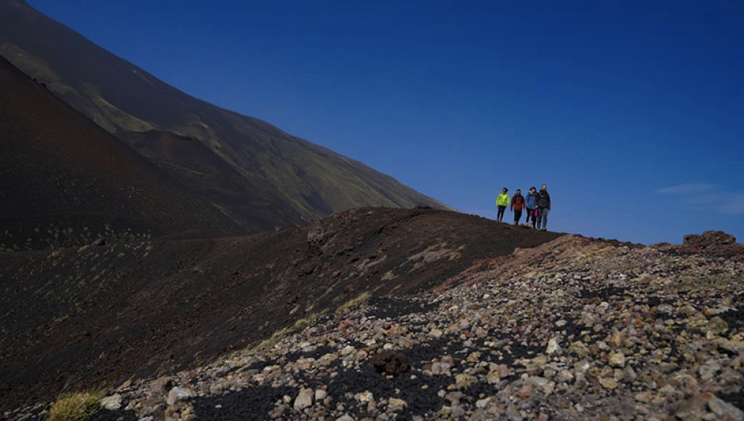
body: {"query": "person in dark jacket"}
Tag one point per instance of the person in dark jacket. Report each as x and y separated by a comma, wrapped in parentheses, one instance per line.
(517, 205)
(531, 204)
(543, 208)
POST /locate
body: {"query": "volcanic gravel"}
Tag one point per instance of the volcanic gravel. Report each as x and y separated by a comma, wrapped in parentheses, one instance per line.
(104, 313)
(250, 404)
(592, 331)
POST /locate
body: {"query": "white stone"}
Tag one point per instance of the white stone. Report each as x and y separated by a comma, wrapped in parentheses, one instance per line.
(545, 385)
(725, 409)
(553, 346)
(178, 394)
(303, 399)
(617, 360)
(608, 382)
(395, 404)
(112, 403)
(365, 396)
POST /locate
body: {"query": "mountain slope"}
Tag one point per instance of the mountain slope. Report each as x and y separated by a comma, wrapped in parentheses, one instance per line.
(467, 319)
(66, 181)
(146, 307)
(287, 177)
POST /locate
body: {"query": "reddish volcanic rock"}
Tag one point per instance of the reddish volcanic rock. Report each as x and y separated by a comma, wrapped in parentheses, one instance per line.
(389, 363)
(716, 243)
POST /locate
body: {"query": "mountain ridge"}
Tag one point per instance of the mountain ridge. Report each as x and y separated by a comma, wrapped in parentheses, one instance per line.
(386, 314)
(136, 307)
(300, 181)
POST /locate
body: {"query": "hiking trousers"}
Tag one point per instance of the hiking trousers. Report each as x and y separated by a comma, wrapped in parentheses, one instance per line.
(530, 216)
(542, 218)
(517, 216)
(500, 215)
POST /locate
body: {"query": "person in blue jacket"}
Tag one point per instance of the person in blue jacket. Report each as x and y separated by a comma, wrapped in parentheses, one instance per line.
(531, 206)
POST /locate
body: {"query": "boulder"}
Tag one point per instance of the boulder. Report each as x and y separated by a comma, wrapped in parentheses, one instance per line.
(304, 399)
(112, 403)
(714, 243)
(389, 363)
(178, 394)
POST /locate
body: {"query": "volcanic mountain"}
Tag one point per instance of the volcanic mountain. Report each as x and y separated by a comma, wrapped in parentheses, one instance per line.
(255, 172)
(64, 180)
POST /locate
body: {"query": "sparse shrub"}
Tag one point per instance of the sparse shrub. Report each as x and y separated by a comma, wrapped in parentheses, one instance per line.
(353, 303)
(696, 284)
(79, 406)
(283, 332)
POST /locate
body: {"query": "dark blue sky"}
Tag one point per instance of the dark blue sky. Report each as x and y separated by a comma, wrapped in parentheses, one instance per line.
(631, 111)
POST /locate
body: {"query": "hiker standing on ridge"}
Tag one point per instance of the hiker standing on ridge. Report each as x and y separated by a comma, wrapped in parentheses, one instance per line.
(502, 201)
(531, 207)
(543, 208)
(517, 204)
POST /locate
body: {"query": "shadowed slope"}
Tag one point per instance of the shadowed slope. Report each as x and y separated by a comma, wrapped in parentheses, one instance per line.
(196, 167)
(297, 180)
(64, 180)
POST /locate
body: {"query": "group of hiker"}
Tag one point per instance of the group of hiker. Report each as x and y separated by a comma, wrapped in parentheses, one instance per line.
(537, 205)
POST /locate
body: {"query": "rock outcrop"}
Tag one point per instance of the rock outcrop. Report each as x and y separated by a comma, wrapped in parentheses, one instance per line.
(715, 243)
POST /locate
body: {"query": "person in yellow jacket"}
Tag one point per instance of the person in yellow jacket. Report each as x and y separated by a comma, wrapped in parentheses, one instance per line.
(502, 201)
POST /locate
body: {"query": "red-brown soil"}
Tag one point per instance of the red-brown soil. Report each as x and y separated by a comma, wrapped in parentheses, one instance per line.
(80, 317)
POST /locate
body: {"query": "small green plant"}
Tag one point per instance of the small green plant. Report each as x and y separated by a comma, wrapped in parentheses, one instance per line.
(79, 406)
(715, 282)
(283, 332)
(353, 303)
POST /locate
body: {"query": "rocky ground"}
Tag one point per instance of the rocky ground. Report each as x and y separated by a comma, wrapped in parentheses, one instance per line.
(573, 329)
(75, 318)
